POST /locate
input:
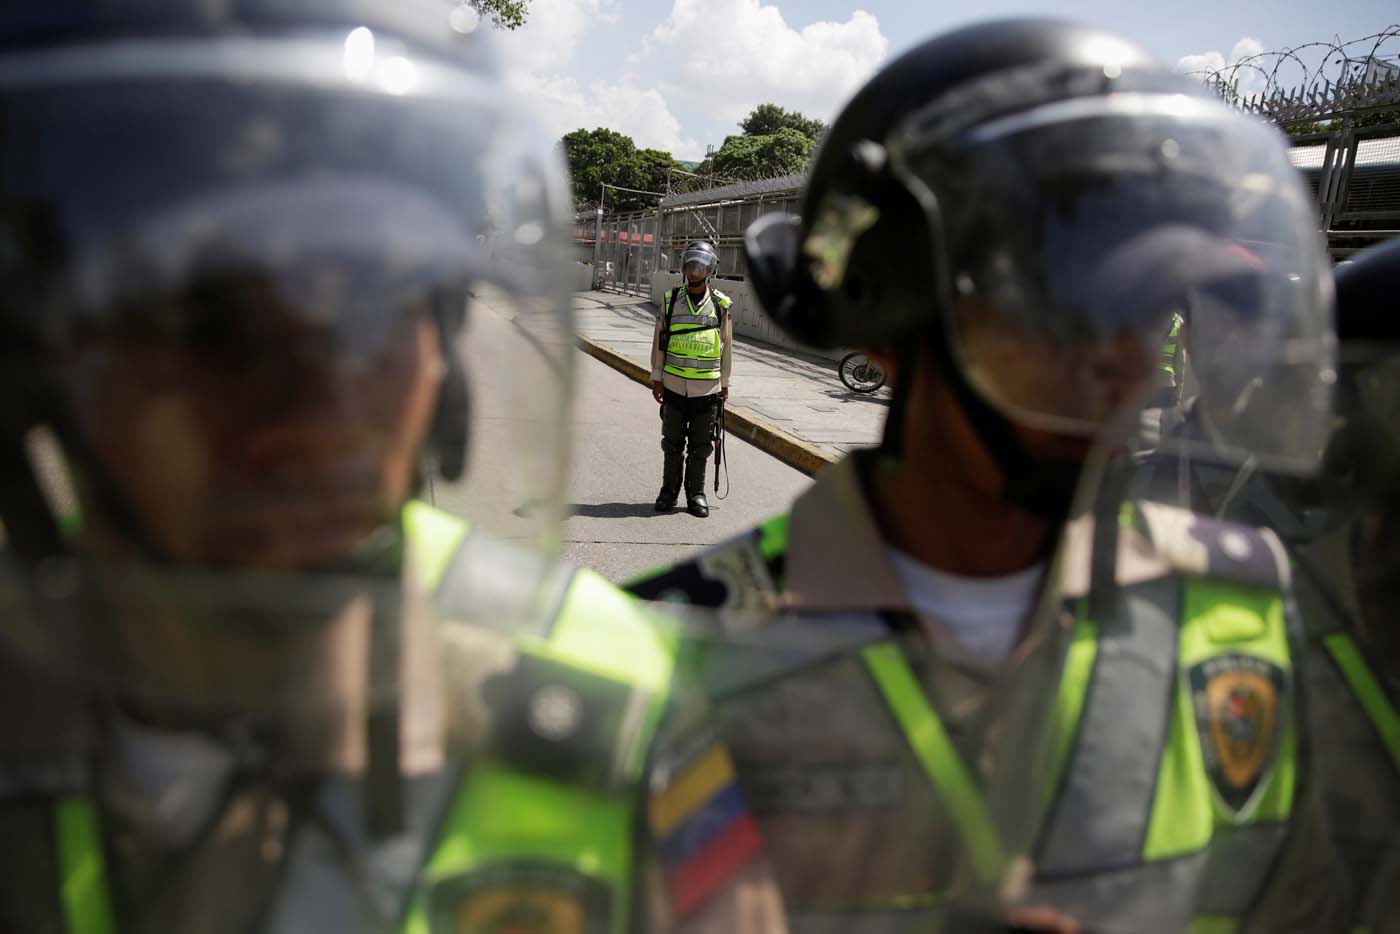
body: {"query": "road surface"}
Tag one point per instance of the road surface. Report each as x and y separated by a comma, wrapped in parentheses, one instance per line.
(616, 474)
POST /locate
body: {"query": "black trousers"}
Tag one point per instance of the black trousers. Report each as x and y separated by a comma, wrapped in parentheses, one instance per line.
(687, 430)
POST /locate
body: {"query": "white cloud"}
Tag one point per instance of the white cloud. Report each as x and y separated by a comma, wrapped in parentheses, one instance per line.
(538, 55)
(553, 30)
(712, 61)
(641, 113)
(1204, 64)
(725, 57)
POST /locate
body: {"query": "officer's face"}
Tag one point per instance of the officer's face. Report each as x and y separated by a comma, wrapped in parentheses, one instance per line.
(1067, 383)
(695, 273)
(941, 437)
(266, 449)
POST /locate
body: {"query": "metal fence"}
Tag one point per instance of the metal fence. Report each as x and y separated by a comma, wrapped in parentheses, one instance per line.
(1344, 114)
(626, 249)
(1351, 160)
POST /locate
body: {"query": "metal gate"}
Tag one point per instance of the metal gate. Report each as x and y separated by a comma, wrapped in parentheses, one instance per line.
(625, 253)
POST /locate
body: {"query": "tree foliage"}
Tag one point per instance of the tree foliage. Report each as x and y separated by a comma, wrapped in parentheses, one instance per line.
(748, 157)
(1379, 118)
(1303, 128)
(505, 14)
(768, 119)
(603, 156)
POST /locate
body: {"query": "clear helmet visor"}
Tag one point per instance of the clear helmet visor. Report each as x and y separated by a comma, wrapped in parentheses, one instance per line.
(697, 269)
(1091, 236)
(1340, 524)
(253, 347)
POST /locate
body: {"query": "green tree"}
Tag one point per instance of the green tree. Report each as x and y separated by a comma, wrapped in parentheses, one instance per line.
(506, 14)
(768, 119)
(653, 166)
(749, 157)
(1303, 128)
(603, 156)
(1379, 118)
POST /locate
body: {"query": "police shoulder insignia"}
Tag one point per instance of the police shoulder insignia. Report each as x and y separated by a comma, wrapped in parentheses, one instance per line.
(1238, 700)
(521, 897)
(701, 825)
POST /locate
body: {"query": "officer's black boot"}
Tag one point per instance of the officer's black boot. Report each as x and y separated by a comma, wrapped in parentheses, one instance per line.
(695, 502)
(670, 481)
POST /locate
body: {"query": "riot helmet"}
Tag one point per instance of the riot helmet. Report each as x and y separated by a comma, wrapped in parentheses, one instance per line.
(699, 261)
(258, 256)
(1035, 199)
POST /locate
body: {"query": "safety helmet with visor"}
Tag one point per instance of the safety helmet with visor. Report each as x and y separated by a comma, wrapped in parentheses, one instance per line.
(699, 261)
(245, 337)
(1037, 199)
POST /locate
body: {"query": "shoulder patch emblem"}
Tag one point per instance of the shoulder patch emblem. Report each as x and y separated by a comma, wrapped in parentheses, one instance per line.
(702, 826)
(521, 898)
(1237, 700)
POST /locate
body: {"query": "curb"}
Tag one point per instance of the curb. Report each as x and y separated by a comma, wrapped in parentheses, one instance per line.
(770, 439)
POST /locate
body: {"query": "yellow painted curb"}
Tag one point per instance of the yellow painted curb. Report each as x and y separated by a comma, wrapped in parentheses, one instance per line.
(770, 439)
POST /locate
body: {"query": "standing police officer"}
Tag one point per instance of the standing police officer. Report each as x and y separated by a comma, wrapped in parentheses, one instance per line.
(1017, 209)
(251, 682)
(690, 361)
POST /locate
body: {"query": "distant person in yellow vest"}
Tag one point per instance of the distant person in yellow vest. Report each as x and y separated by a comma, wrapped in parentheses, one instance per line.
(690, 360)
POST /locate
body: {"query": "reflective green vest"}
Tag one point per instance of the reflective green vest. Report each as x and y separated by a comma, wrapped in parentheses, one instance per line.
(1171, 352)
(1130, 786)
(694, 345)
(1379, 709)
(503, 819)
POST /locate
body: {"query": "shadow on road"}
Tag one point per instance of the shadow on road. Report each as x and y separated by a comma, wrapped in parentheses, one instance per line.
(614, 510)
(845, 395)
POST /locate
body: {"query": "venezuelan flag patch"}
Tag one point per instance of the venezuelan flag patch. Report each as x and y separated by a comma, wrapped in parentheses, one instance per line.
(703, 828)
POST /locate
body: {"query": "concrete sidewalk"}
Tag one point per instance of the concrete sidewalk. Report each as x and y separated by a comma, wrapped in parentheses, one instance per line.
(791, 405)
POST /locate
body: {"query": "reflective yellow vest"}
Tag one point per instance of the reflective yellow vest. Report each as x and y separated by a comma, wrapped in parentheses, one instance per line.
(1128, 787)
(694, 344)
(503, 816)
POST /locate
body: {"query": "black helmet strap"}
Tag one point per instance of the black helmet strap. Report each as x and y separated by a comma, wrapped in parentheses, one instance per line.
(1042, 488)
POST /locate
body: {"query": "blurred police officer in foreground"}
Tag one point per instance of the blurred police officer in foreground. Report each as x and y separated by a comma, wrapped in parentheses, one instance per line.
(1017, 210)
(691, 354)
(1352, 578)
(249, 681)
(1338, 527)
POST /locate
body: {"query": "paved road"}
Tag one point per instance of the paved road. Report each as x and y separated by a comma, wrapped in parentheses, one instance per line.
(797, 395)
(617, 472)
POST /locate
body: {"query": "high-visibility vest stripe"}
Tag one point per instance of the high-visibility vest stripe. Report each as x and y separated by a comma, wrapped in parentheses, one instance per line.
(938, 756)
(500, 813)
(1367, 690)
(82, 873)
(693, 363)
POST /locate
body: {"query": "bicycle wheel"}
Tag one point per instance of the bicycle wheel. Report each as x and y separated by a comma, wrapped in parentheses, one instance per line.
(859, 373)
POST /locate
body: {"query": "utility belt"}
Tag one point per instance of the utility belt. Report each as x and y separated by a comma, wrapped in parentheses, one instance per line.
(671, 397)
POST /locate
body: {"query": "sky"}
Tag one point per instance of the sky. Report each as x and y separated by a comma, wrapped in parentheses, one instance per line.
(679, 75)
